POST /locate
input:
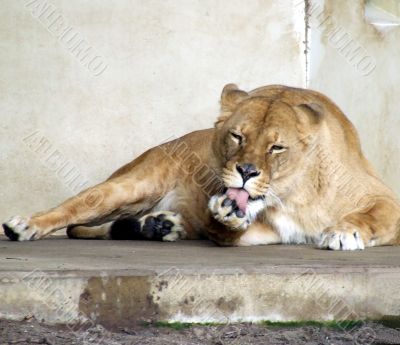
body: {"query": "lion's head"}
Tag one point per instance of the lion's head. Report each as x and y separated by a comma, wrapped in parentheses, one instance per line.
(263, 140)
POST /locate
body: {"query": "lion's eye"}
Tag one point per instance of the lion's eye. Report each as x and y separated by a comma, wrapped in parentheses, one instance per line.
(237, 137)
(277, 149)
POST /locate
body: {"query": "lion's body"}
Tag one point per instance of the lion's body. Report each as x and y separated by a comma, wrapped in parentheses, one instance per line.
(316, 185)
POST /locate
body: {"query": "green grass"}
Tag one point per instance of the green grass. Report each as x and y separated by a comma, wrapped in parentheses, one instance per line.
(180, 325)
(343, 325)
(177, 326)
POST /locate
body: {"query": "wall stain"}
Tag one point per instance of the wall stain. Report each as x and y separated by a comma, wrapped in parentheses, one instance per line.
(116, 302)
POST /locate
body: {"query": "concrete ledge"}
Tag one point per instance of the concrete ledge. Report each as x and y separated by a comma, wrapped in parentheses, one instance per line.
(120, 283)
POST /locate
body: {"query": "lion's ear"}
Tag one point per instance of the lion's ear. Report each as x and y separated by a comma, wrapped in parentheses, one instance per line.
(230, 98)
(313, 111)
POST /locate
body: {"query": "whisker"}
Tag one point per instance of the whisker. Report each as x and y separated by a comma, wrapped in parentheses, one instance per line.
(276, 197)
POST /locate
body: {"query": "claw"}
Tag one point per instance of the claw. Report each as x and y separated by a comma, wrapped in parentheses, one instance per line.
(240, 214)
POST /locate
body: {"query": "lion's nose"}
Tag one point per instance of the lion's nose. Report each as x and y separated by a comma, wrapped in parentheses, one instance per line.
(247, 171)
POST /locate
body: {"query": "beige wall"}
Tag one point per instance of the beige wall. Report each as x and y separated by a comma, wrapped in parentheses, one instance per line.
(147, 71)
(357, 65)
(85, 86)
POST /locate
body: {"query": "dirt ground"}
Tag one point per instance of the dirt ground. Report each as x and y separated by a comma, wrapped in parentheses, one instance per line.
(32, 332)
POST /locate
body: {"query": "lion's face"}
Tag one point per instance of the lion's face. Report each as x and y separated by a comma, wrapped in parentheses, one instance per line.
(263, 145)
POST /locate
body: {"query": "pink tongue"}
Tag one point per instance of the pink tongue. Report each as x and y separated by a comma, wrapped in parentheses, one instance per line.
(240, 196)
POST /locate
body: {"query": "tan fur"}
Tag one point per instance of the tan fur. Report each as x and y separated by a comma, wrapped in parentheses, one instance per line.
(320, 188)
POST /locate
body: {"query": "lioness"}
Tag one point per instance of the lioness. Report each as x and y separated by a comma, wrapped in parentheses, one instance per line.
(282, 165)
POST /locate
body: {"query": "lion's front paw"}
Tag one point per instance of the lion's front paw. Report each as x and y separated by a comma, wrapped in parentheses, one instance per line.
(18, 229)
(341, 239)
(228, 213)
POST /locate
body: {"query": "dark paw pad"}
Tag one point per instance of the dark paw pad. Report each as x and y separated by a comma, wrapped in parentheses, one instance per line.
(9, 232)
(235, 208)
(155, 228)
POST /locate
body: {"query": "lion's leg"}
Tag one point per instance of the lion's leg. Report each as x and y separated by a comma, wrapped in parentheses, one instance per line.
(132, 189)
(157, 226)
(258, 234)
(377, 225)
(95, 232)
(93, 204)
